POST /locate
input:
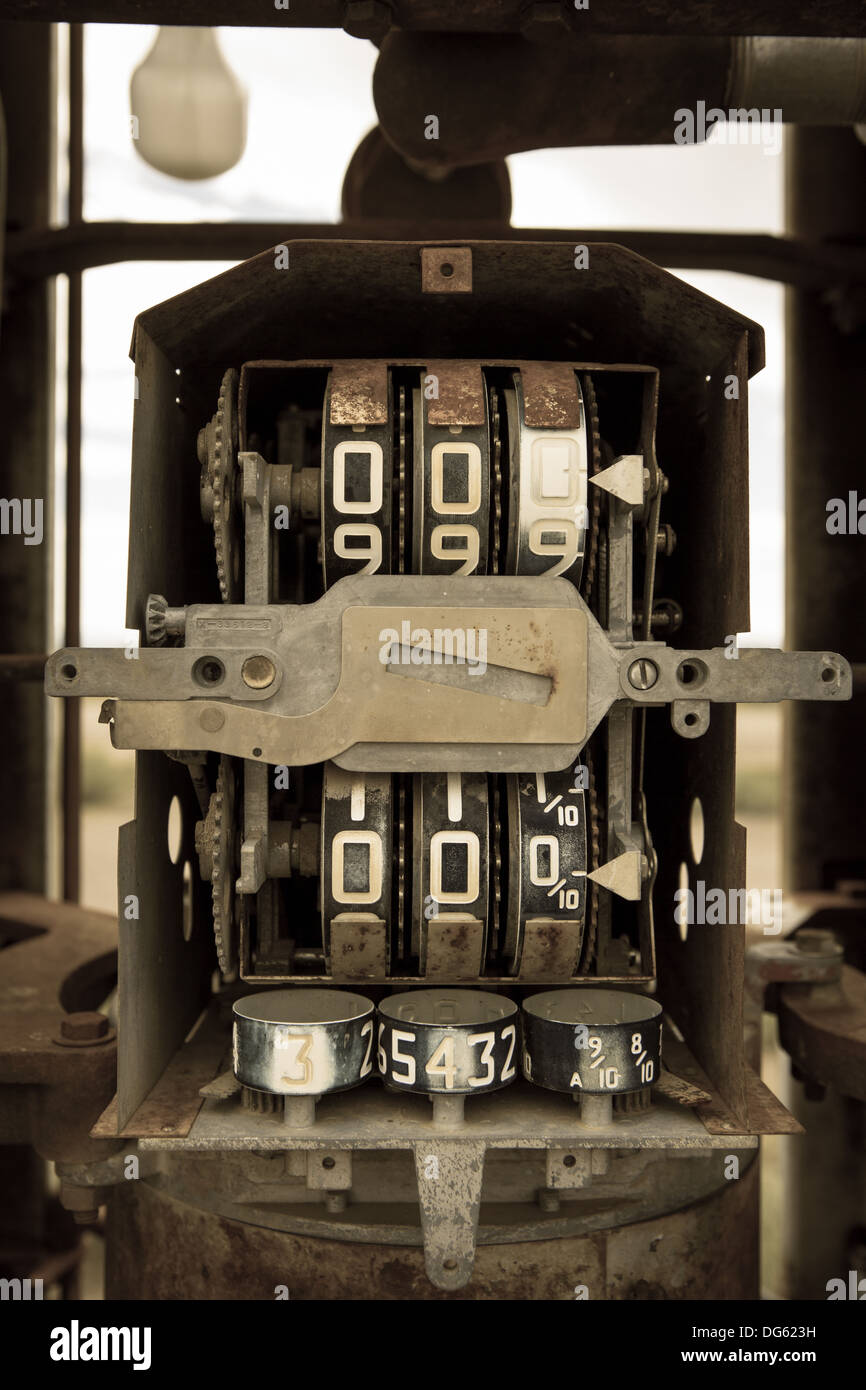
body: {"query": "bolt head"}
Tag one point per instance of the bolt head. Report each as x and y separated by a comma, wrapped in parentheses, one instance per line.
(817, 941)
(84, 1027)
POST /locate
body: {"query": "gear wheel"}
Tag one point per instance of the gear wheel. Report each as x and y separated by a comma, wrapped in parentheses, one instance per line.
(220, 841)
(218, 455)
(595, 462)
(154, 620)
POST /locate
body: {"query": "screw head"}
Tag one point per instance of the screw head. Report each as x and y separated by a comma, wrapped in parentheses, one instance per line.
(666, 539)
(84, 1027)
(643, 674)
(258, 672)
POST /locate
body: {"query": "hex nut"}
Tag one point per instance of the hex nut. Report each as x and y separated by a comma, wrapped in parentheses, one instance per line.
(84, 1027)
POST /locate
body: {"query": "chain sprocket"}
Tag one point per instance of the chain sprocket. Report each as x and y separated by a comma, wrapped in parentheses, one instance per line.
(594, 440)
(221, 831)
(218, 455)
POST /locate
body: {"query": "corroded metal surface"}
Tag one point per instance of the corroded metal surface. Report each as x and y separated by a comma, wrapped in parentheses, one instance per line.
(460, 399)
(57, 960)
(823, 1027)
(359, 393)
(164, 1248)
(697, 17)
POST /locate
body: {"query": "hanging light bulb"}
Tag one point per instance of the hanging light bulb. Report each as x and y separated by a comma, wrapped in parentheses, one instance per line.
(189, 109)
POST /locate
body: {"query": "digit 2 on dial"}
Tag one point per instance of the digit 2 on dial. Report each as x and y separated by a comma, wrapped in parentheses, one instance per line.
(448, 1041)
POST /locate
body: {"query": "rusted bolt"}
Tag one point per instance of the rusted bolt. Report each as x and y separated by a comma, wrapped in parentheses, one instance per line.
(82, 1202)
(817, 941)
(84, 1027)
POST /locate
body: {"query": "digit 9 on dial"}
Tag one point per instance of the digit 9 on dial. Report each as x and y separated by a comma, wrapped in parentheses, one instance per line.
(448, 1041)
(591, 1041)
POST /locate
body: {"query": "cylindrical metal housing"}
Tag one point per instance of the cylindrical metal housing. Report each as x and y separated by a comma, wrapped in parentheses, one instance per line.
(457, 1041)
(302, 1042)
(591, 1041)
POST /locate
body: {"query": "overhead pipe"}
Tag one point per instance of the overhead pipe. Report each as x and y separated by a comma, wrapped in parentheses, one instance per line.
(447, 100)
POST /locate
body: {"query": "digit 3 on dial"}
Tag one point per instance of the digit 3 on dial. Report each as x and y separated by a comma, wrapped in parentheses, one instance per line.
(591, 1041)
(302, 1042)
(447, 1041)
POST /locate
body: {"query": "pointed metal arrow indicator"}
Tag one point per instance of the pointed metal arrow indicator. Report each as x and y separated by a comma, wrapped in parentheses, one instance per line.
(621, 875)
(623, 479)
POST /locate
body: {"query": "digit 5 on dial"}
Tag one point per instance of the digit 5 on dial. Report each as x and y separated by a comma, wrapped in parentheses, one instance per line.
(447, 1041)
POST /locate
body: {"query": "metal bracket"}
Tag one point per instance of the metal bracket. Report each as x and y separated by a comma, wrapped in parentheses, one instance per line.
(568, 1169)
(492, 672)
(446, 269)
(449, 1174)
(246, 683)
(329, 1171)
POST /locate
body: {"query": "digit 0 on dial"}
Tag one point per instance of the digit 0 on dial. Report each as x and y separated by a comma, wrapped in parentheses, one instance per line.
(547, 858)
(451, 852)
(302, 1042)
(357, 469)
(356, 854)
(452, 1041)
(548, 490)
(591, 1041)
(451, 494)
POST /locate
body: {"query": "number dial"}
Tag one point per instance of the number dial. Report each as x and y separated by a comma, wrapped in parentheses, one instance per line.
(303, 1042)
(357, 847)
(448, 1041)
(451, 860)
(546, 854)
(591, 1041)
(357, 473)
(548, 493)
(451, 495)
